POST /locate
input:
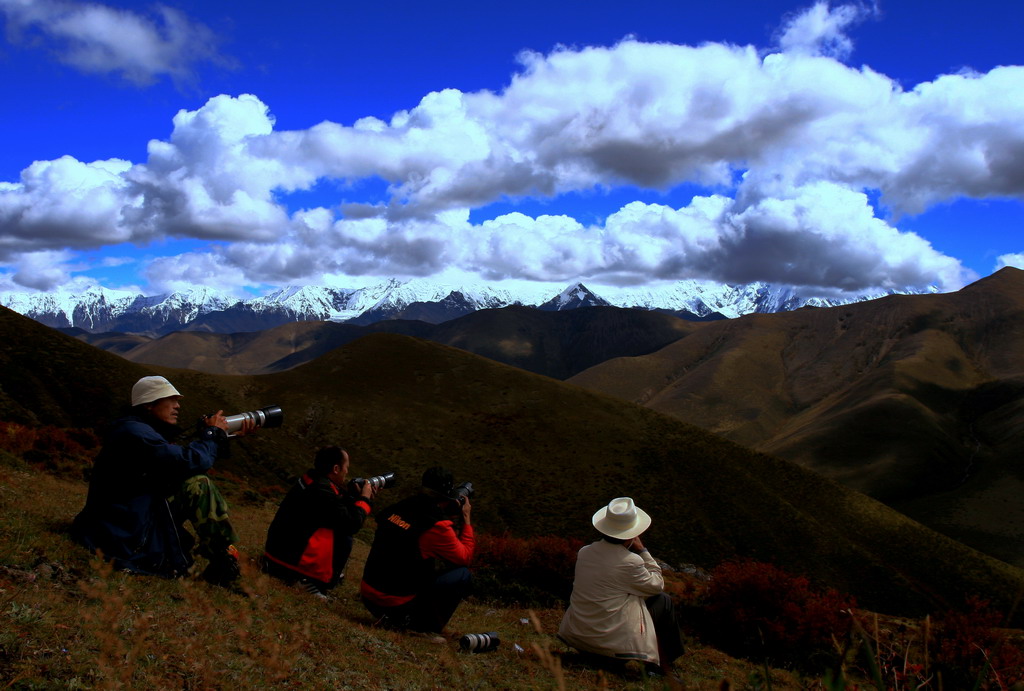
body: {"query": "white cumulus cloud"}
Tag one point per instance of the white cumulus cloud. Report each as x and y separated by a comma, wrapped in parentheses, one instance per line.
(65, 203)
(821, 30)
(1015, 260)
(785, 145)
(101, 39)
(42, 270)
(183, 271)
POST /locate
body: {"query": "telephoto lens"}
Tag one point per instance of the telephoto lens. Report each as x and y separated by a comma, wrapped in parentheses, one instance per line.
(385, 481)
(270, 416)
(479, 642)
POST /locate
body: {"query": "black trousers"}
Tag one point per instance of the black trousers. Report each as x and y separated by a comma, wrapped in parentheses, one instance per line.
(666, 627)
(431, 609)
(342, 549)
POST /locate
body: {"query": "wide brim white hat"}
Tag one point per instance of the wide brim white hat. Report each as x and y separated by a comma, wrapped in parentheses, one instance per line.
(621, 519)
(149, 389)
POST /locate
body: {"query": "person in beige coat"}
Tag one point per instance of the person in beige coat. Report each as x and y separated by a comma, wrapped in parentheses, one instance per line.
(618, 607)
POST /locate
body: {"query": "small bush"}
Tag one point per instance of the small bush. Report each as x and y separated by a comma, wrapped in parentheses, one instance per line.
(527, 571)
(17, 439)
(759, 611)
(969, 647)
(64, 451)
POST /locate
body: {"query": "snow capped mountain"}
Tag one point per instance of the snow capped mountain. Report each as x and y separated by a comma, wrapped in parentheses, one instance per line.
(100, 309)
(304, 302)
(704, 298)
(394, 296)
(572, 297)
(383, 300)
(185, 306)
(89, 310)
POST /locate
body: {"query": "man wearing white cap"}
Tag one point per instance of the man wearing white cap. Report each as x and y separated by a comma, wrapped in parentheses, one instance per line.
(618, 607)
(143, 487)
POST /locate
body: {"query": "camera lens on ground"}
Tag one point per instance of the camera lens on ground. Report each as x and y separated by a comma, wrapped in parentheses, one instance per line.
(479, 642)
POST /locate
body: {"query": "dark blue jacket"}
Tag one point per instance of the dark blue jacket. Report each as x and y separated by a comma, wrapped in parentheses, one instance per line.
(127, 516)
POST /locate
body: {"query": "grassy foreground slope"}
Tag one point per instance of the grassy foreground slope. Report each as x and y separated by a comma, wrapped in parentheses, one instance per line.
(543, 455)
(66, 623)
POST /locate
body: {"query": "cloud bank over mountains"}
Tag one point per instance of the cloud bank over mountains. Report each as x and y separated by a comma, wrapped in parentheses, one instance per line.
(805, 166)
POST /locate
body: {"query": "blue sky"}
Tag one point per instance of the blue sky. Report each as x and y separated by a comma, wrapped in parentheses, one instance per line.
(844, 147)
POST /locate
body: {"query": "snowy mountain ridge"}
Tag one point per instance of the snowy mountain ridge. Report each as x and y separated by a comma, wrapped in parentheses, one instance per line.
(100, 309)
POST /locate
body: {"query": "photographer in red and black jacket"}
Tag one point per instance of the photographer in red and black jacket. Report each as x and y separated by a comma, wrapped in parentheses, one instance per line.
(310, 538)
(417, 571)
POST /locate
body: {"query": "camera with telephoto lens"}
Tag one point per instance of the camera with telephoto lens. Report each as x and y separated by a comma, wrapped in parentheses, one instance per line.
(463, 492)
(377, 482)
(479, 642)
(270, 416)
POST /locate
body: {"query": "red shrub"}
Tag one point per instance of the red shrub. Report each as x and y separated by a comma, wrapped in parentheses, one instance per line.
(759, 610)
(15, 438)
(51, 448)
(968, 646)
(525, 571)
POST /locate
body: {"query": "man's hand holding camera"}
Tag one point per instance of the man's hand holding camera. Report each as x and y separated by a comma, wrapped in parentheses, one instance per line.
(368, 490)
(248, 425)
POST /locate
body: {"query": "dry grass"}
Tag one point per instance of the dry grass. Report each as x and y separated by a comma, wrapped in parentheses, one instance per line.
(68, 622)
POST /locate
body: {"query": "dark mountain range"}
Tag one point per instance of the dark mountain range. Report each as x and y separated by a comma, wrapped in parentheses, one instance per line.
(251, 352)
(542, 454)
(556, 344)
(915, 400)
(233, 319)
(562, 343)
(433, 312)
(111, 341)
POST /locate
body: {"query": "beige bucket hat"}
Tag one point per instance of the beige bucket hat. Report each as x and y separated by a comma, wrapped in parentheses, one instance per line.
(149, 389)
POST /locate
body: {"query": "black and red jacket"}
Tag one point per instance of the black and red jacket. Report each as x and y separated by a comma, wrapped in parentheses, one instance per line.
(302, 535)
(410, 536)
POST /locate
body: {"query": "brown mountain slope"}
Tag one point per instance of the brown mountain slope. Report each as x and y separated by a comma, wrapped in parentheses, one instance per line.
(555, 344)
(912, 399)
(110, 341)
(560, 344)
(256, 352)
(542, 454)
(49, 378)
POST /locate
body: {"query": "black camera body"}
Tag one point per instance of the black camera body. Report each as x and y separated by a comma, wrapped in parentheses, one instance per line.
(463, 492)
(378, 482)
